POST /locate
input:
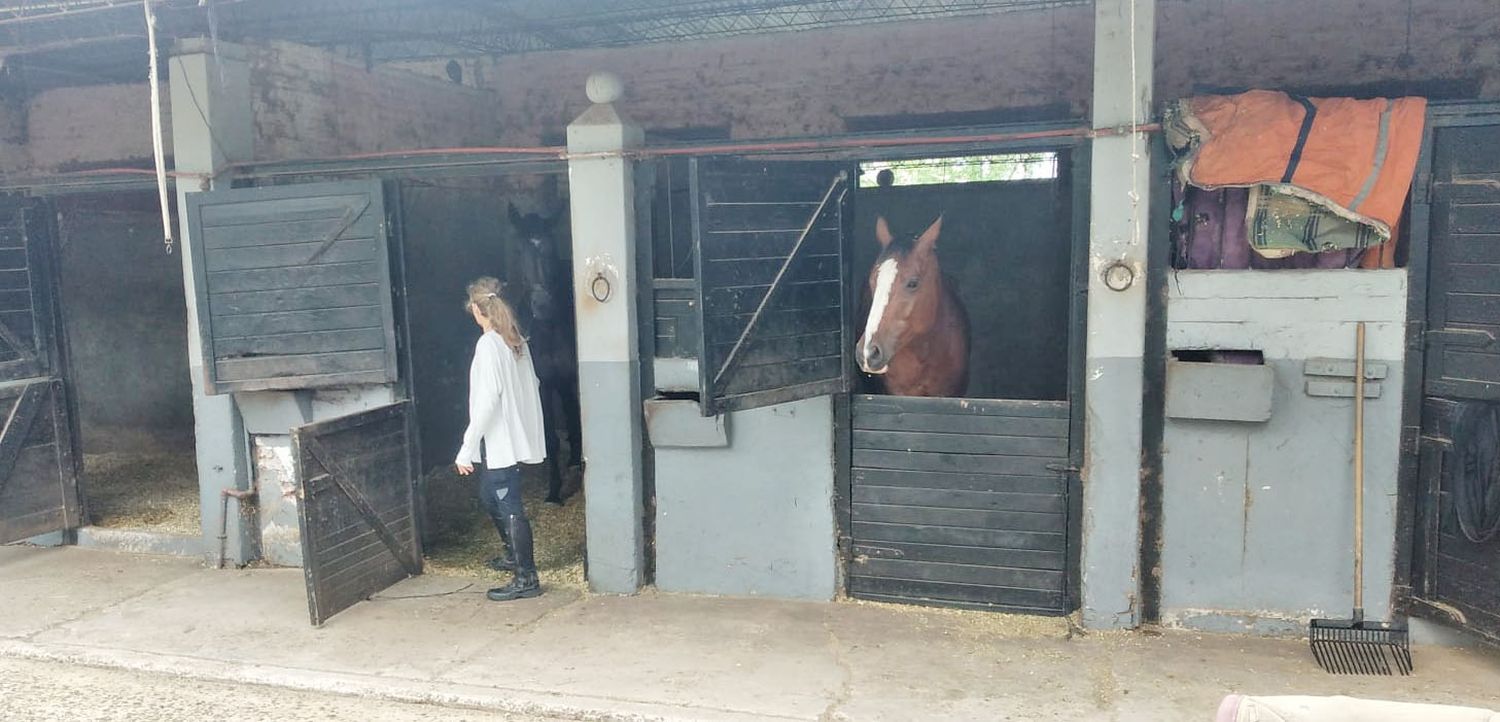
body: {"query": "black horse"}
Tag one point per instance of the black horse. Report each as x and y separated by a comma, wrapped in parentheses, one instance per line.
(546, 315)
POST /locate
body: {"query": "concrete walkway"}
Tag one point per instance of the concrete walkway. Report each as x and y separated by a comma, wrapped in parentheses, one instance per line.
(656, 656)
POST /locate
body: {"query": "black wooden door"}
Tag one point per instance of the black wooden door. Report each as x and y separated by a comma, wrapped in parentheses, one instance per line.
(294, 286)
(355, 480)
(768, 238)
(960, 502)
(38, 471)
(973, 502)
(1458, 560)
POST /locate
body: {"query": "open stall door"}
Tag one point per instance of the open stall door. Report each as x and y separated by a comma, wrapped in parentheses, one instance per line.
(768, 237)
(356, 478)
(1458, 555)
(38, 472)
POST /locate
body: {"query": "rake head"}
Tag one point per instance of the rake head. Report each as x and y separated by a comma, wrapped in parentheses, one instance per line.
(1355, 646)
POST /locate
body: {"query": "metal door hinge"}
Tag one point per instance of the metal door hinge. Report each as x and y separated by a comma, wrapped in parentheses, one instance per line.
(1473, 337)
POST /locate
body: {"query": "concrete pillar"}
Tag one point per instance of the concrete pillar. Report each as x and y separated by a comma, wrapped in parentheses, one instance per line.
(1124, 32)
(211, 128)
(602, 194)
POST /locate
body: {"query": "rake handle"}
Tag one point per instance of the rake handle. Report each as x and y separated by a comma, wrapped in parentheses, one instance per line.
(1359, 467)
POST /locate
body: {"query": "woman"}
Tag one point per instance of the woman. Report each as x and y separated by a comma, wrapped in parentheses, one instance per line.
(505, 430)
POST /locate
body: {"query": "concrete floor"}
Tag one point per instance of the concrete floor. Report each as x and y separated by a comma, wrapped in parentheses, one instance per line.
(654, 656)
(49, 691)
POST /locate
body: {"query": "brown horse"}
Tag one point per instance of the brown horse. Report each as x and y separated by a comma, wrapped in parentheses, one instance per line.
(916, 336)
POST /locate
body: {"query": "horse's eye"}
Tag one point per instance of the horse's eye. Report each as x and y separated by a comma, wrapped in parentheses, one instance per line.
(911, 283)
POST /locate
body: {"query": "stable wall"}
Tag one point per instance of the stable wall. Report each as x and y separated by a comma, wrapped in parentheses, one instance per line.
(306, 103)
(1258, 518)
(1037, 62)
(755, 517)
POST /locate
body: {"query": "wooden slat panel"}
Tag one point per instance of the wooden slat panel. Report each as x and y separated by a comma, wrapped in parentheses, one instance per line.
(975, 574)
(725, 330)
(749, 377)
(1041, 601)
(760, 272)
(300, 343)
(1052, 483)
(804, 294)
(270, 279)
(865, 404)
(39, 494)
(348, 556)
(954, 463)
(771, 244)
(960, 501)
(774, 350)
(748, 220)
(1018, 558)
(948, 423)
(262, 324)
(270, 367)
(962, 443)
(281, 208)
(951, 517)
(949, 498)
(293, 255)
(282, 231)
(776, 217)
(873, 532)
(282, 264)
(1474, 217)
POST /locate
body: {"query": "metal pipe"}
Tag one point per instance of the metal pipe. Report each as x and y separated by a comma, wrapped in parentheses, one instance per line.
(561, 152)
(240, 495)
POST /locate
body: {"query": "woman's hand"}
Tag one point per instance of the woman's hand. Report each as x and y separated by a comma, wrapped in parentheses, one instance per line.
(465, 469)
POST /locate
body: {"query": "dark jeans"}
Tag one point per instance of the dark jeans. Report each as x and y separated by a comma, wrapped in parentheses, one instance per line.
(500, 495)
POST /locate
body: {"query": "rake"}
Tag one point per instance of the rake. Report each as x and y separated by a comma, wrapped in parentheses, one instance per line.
(1355, 645)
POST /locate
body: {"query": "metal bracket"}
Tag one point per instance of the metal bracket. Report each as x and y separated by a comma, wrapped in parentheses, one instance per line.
(1472, 337)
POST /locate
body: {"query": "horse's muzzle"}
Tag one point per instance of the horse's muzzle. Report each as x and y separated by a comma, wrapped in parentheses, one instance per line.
(872, 359)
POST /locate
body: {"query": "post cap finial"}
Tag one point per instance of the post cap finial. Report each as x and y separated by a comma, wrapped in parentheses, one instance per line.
(604, 88)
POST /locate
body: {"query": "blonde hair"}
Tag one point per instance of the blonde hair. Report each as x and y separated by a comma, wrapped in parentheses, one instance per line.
(484, 294)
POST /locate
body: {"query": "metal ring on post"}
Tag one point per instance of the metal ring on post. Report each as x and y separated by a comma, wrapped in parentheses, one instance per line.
(600, 295)
(1119, 276)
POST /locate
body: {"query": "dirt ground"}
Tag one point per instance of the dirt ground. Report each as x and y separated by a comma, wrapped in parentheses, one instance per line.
(463, 537)
(153, 491)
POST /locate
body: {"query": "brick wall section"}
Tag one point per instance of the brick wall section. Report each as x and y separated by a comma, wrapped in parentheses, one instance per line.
(308, 104)
(89, 127)
(806, 82)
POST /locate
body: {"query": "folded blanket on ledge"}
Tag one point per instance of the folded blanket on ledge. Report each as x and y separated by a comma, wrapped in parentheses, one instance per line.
(1354, 157)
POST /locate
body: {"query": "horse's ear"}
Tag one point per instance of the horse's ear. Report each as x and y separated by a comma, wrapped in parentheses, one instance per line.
(882, 231)
(515, 216)
(928, 239)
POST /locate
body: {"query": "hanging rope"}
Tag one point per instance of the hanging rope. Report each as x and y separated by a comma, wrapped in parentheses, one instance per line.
(1474, 475)
(156, 132)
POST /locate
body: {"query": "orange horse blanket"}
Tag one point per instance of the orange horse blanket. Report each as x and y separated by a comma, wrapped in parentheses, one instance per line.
(1355, 157)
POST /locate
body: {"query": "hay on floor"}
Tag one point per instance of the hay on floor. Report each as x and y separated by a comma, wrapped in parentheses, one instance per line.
(463, 537)
(145, 491)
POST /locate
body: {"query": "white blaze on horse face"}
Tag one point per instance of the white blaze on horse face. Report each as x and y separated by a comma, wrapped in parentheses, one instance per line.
(885, 280)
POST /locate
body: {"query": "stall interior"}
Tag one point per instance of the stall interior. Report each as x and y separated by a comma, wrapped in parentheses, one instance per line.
(454, 230)
(124, 318)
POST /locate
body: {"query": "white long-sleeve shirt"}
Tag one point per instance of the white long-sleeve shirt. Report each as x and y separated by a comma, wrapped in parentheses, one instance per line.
(505, 407)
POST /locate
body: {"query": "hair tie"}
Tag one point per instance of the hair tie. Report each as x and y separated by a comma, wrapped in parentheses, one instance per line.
(491, 295)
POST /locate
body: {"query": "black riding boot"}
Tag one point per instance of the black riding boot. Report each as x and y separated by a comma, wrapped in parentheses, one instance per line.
(525, 584)
(506, 562)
